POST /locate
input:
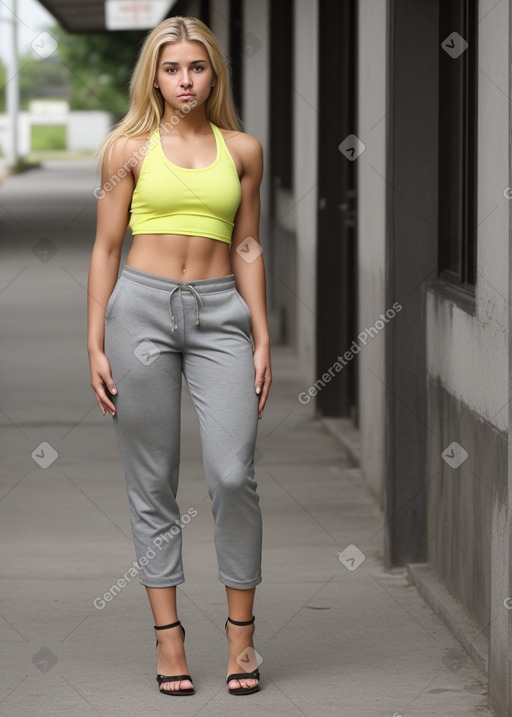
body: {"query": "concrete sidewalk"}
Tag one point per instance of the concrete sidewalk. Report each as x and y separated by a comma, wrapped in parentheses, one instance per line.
(336, 638)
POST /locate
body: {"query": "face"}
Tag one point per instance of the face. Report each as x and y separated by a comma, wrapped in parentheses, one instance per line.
(184, 74)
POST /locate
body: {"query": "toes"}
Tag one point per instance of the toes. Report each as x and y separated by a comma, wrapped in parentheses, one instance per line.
(236, 684)
(173, 686)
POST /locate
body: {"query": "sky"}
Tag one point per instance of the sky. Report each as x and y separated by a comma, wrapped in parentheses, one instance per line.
(32, 19)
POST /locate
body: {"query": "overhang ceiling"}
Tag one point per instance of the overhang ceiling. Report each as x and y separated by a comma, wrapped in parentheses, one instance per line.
(89, 15)
(78, 15)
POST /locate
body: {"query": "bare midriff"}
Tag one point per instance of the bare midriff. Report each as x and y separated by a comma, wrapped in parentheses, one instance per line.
(180, 257)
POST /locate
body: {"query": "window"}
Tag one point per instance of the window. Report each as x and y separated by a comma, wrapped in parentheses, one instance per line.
(457, 141)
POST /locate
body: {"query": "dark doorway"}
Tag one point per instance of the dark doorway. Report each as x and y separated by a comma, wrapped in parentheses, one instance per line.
(336, 316)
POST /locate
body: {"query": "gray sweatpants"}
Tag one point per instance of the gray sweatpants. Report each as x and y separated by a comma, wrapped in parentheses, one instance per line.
(155, 330)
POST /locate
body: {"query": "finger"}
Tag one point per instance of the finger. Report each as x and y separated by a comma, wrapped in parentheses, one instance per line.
(263, 397)
(103, 400)
(259, 381)
(107, 406)
(108, 381)
(261, 405)
(112, 387)
(102, 382)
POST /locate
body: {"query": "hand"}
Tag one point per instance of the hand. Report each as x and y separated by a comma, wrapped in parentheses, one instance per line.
(101, 378)
(263, 377)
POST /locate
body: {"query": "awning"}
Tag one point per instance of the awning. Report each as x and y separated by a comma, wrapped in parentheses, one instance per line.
(101, 15)
(78, 16)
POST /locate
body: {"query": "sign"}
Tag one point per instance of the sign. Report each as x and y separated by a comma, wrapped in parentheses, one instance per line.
(135, 14)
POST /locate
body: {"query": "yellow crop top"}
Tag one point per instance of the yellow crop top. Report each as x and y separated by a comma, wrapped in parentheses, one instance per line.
(169, 199)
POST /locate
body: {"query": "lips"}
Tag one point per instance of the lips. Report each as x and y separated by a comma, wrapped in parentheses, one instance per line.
(186, 95)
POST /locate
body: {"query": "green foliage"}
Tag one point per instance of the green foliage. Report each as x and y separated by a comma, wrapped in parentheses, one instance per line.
(48, 137)
(100, 65)
(42, 79)
(90, 71)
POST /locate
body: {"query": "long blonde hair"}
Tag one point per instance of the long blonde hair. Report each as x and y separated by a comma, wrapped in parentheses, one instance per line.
(146, 102)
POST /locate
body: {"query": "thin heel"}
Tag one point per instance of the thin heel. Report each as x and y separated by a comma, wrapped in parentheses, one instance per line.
(173, 678)
(254, 675)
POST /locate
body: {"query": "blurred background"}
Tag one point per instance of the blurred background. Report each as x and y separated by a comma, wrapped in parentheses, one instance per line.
(66, 89)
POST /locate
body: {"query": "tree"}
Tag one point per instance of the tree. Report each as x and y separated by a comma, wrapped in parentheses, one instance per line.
(100, 66)
(42, 79)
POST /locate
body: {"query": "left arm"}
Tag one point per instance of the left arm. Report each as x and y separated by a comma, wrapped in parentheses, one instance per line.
(248, 265)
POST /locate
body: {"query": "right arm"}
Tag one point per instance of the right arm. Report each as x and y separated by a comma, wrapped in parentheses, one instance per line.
(112, 222)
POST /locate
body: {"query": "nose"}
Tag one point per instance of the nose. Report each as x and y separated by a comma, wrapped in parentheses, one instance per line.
(185, 80)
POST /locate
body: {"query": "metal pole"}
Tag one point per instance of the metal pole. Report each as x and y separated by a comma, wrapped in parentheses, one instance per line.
(12, 90)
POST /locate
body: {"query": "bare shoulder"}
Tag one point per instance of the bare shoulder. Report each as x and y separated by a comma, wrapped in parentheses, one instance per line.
(246, 148)
(128, 151)
(244, 142)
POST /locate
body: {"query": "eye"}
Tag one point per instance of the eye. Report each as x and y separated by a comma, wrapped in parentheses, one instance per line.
(198, 67)
(170, 69)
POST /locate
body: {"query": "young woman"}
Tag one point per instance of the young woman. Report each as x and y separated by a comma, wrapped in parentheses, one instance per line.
(190, 299)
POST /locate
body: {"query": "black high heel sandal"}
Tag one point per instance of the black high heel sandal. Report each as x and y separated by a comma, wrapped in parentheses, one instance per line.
(254, 675)
(177, 678)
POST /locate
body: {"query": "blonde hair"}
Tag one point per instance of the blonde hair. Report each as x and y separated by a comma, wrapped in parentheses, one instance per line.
(146, 102)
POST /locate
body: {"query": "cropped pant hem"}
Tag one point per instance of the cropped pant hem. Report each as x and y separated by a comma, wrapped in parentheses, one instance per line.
(240, 585)
(162, 583)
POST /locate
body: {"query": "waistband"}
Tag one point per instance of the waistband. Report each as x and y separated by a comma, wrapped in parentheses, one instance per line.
(196, 288)
(203, 286)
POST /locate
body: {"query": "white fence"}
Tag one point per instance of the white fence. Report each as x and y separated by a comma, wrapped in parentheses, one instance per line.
(85, 130)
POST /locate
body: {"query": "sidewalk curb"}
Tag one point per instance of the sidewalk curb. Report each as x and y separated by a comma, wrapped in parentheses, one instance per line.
(423, 577)
(343, 430)
(452, 613)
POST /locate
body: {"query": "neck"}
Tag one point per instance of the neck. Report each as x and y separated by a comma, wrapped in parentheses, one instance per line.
(185, 123)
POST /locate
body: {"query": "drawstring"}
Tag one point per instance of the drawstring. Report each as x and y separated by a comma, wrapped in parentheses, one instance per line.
(199, 302)
(197, 297)
(174, 326)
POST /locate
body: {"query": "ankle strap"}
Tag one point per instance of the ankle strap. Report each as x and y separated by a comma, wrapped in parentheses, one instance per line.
(238, 622)
(164, 627)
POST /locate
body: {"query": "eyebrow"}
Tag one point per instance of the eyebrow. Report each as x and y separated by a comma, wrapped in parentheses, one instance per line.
(192, 62)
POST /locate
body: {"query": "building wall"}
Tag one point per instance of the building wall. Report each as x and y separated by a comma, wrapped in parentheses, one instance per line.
(467, 364)
(256, 92)
(371, 191)
(219, 22)
(467, 353)
(305, 178)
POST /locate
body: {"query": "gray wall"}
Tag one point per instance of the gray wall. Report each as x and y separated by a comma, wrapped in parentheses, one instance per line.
(305, 178)
(468, 364)
(372, 57)
(411, 261)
